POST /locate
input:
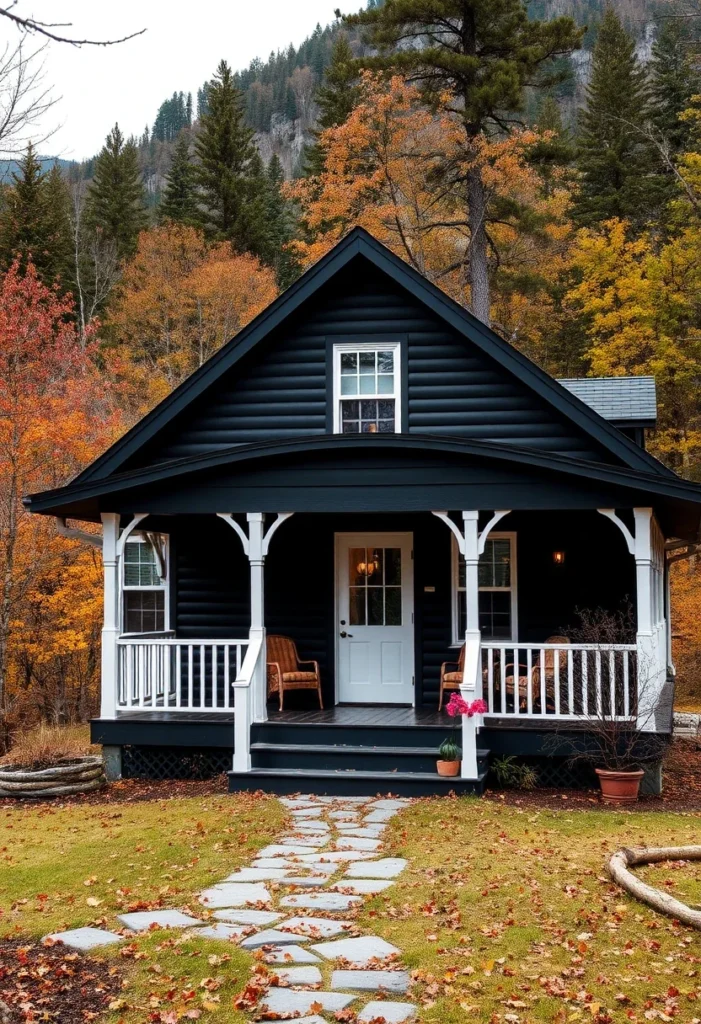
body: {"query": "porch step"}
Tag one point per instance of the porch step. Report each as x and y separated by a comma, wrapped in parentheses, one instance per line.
(352, 783)
(331, 757)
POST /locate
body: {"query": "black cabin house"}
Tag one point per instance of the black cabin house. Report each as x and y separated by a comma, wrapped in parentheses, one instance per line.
(371, 474)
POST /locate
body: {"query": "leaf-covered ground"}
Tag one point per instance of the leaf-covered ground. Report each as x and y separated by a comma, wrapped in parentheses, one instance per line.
(505, 912)
(72, 865)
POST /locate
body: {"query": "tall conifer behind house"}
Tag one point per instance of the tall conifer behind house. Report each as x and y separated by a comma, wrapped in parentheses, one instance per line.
(179, 201)
(335, 98)
(618, 164)
(230, 176)
(116, 206)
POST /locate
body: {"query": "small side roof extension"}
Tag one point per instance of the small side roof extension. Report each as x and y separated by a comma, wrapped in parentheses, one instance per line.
(624, 401)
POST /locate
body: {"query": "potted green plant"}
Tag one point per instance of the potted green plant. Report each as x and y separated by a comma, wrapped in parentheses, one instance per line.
(449, 757)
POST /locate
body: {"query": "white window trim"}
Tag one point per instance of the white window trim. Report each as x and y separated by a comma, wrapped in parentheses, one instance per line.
(510, 535)
(163, 586)
(366, 346)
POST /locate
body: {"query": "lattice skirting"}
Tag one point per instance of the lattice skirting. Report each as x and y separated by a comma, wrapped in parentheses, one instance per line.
(166, 763)
(556, 773)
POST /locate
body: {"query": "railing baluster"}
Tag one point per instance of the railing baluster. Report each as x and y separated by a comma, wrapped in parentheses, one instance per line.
(190, 676)
(543, 689)
(178, 675)
(612, 683)
(626, 684)
(556, 678)
(202, 676)
(570, 683)
(215, 668)
(585, 693)
(597, 666)
(502, 679)
(490, 678)
(226, 675)
(517, 684)
(529, 681)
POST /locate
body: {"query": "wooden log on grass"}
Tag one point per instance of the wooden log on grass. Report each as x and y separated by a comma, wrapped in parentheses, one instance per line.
(629, 857)
(78, 775)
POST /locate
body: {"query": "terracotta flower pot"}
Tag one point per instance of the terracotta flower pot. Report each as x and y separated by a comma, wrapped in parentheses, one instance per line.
(619, 787)
(448, 767)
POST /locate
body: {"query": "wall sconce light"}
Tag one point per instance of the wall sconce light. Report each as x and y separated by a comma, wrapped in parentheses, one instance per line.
(559, 557)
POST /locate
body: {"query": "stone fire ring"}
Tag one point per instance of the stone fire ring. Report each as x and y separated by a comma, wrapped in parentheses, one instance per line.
(73, 775)
(626, 858)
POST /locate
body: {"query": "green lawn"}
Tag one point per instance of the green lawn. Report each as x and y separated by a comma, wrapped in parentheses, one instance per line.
(63, 867)
(505, 912)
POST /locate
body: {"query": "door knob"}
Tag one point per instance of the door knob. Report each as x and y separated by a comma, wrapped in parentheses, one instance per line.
(344, 634)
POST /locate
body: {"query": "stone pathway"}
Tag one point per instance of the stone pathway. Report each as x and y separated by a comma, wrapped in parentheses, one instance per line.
(291, 907)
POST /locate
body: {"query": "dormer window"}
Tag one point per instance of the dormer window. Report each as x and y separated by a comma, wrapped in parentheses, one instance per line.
(366, 388)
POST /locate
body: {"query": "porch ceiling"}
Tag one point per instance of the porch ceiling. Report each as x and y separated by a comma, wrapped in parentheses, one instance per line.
(377, 473)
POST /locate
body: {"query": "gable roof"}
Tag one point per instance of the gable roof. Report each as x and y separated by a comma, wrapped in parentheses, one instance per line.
(629, 401)
(360, 244)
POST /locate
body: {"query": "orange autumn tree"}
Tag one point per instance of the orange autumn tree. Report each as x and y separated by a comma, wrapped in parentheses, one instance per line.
(55, 416)
(385, 170)
(181, 299)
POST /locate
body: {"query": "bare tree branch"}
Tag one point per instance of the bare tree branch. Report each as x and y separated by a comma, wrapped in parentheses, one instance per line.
(24, 99)
(45, 28)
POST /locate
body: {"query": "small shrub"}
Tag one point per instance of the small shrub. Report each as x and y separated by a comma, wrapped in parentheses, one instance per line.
(513, 774)
(449, 751)
(45, 745)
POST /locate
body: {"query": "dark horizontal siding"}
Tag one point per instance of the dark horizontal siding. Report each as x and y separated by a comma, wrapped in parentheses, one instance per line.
(280, 389)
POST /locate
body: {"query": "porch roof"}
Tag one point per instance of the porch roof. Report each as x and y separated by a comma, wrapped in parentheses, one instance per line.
(367, 473)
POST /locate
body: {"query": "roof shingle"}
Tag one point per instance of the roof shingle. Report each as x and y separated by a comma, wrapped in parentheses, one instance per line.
(631, 400)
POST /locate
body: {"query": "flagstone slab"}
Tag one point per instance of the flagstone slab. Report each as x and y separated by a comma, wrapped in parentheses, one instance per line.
(282, 862)
(287, 1001)
(332, 901)
(315, 1019)
(316, 841)
(363, 886)
(364, 832)
(353, 843)
(85, 939)
(394, 803)
(344, 815)
(142, 920)
(278, 850)
(312, 826)
(315, 927)
(258, 875)
(272, 937)
(289, 955)
(296, 804)
(299, 975)
(306, 812)
(234, 894)
(259, 917)
(380, 814)
(387, 867)
(307, 881)
(371, 981)
(223, 931)
(392, 1013)
(360, 951)
(334, 856)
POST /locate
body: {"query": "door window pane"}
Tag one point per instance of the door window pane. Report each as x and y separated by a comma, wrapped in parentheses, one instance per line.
(356, 614)
(375, 611)
(375, 595)
(393, 606)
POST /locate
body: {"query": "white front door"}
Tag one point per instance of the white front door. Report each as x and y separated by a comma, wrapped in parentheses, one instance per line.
(375, 618)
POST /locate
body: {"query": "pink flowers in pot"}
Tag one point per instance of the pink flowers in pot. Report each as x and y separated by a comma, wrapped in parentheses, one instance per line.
(457, 705)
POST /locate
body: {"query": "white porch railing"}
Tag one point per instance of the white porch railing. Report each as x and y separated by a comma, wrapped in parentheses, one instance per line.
(188, 675)
(560, 681)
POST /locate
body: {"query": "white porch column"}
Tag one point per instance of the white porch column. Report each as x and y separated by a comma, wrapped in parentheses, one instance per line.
(110, 628)
(471, 688)
(651, 678)
(256, 558)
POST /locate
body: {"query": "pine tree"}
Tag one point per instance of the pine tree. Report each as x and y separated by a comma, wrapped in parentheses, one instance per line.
(552, 155)
(674, 80)
(34, 224)
(230, 173)
(116, 200)
(180, 193)
(281, 223)
(618, 165)
(480, 55)
(335, 98)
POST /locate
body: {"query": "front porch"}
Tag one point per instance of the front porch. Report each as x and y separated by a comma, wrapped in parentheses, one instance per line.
(430, 583)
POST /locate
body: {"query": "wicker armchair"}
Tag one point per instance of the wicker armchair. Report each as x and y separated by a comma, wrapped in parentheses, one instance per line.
(548, 669)
(451, 680)
(284, 669)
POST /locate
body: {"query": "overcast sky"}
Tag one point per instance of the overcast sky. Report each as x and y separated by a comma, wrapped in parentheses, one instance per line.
(184, 41)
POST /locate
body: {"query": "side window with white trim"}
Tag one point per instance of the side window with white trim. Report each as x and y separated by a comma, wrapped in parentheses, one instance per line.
(145, 584)
(496, 576)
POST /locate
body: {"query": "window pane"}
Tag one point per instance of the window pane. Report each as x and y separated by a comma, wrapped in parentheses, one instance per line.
(385, 362)
(375, 616)
(351, 427)
(356, 572)
(385, 409)
(375, 561)
(461, 572)
(367, 362)
(349, 362)
(140, 568)
(356, 612)
(393, 606)
(495, 615)
(385, 427)
(144, 611)
(367, 385)
(462, 614)
(349, 385)
(393, 567)
(495, 564)
(368, 410)
(385, 384)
